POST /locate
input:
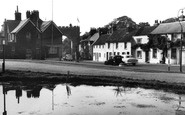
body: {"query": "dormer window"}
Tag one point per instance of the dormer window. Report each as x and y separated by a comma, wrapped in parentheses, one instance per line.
(139, 40)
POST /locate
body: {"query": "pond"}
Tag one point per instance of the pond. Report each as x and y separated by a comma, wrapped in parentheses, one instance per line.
(17, 98)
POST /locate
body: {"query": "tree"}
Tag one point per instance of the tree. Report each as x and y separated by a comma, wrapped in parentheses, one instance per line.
(66, 47)
(122, 22)
(143, 24)
(169, 20)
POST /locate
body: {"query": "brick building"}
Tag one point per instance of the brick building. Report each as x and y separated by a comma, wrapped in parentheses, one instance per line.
(31, 38)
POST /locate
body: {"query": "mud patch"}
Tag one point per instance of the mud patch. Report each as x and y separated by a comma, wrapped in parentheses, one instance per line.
(97, 103)
(142, 105)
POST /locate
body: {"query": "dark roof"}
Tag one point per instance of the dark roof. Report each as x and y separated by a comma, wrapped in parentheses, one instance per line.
(46, 24)
(101, 40)
(121, 36)
(168, 28)
(12, 24)
(145, 30)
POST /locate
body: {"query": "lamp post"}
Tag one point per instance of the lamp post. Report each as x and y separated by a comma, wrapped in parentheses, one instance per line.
(181, 18)
(3, 64)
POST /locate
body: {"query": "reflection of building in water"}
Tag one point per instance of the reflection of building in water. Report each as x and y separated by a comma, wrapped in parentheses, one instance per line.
(180, 109)
(68, 90)
(35, 92)
(4, 93)
(18, 93)
(51, 87)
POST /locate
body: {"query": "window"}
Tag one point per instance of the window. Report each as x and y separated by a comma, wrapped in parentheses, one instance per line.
(99, 54)
(155, 53)
(123, 53)
(108, 45)
(53, 50)
(139, 54)
(128, 53)
(139, 40)
(13, 48)
(116, 45)
(126, 45)
(114, 53)
(110, 53)
(173, 53)
(117, 53)
(28, 36)
(99, 46)
(1, 48)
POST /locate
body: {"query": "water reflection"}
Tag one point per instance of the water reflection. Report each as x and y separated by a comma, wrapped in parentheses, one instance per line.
(4, 94)
(180, 109)
(120, 89)
(53, 99)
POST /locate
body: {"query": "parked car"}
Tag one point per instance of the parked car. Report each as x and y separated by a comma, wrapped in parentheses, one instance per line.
(68, 57)
(114, 60)
(128, 59)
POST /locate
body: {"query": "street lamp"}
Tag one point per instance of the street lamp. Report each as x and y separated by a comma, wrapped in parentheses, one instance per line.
(3, 64)
(181, 18)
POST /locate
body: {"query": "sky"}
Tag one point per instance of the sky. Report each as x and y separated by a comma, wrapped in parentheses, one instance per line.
(93, 13)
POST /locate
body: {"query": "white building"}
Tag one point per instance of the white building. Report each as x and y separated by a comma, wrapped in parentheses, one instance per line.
(141, 37)
(99, 48)
(173, 33)
(117, 43)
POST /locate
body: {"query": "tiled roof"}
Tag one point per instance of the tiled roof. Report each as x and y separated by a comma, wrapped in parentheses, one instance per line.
(12, 24)
(167, 28)
(101, 40)
(121, 36)
(46, 24)
(20, 26)
(145, 30)
(94, 37)
(91, 38)
(116, 35)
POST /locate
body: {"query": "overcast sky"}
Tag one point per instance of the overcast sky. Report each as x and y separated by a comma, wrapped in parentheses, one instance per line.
(93, 13)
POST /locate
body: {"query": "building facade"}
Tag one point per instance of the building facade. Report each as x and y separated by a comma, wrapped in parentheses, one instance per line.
(31, 38)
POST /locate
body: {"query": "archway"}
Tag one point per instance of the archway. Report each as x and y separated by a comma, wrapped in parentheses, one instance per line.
(73, 34)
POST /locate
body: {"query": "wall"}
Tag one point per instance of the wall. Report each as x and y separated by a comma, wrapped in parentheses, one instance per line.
(99, 53)
(144, 40)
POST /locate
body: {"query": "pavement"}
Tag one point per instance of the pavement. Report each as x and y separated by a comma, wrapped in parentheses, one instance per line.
(158, 72)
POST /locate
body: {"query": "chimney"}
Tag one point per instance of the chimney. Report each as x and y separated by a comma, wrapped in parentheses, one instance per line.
(28, 14)
(17, 15)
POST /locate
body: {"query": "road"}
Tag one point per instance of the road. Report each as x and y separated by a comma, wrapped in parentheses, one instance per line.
(141, 71)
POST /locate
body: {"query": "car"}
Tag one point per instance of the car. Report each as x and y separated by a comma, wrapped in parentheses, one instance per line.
(114, 60)
(128, 59)
(68, 57)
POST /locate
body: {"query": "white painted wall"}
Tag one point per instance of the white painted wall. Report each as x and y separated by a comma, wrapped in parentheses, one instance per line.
(99, 53)
(144, 40)
(157, 59)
